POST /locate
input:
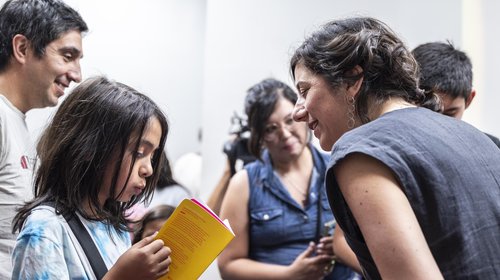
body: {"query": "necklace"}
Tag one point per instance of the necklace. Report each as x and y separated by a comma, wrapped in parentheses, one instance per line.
(289, 182)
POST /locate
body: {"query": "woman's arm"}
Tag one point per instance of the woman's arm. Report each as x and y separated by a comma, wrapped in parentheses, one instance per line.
(215, 199)
(343, 252)
(386, 219)
(234, 262)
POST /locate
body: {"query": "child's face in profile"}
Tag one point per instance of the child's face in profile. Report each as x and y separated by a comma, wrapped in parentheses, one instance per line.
(141, 169)
(152, 227)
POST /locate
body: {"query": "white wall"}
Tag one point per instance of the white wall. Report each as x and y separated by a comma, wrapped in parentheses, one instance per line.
(155, 46)
(196, 58)
(480, 40)
(251, 40)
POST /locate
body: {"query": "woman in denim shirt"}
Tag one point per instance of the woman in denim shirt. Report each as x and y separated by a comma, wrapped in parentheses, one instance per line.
(277, 205)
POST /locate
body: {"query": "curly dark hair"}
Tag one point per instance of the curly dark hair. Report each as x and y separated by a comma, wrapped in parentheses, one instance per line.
(388, 68)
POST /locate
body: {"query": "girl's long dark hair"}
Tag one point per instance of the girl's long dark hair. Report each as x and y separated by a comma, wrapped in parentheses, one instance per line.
(89, 132)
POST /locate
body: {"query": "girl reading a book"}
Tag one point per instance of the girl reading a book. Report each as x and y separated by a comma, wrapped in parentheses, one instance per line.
(98, 157)
(277, 205)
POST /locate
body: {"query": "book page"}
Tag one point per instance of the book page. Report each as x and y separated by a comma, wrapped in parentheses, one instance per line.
(225, 222)
(196, 237)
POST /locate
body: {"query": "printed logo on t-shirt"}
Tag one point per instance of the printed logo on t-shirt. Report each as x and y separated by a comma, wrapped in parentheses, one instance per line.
(26, 162)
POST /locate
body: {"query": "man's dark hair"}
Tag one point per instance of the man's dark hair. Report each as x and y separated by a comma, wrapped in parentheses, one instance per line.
(40, 21)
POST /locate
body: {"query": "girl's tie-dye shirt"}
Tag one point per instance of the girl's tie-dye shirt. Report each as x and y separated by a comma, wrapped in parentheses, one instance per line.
(46, 247)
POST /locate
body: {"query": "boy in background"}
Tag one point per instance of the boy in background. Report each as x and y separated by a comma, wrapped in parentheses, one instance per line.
(447, 71)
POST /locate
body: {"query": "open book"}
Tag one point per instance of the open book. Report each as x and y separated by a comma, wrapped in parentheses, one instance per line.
(196, 236)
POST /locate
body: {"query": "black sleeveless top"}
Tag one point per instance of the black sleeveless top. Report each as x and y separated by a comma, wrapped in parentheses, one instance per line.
(450, 172)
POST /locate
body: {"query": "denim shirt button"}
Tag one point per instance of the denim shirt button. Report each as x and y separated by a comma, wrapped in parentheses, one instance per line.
(265, 217)
(306, 218)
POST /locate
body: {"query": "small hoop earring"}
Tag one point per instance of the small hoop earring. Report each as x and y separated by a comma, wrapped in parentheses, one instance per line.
(350, 112)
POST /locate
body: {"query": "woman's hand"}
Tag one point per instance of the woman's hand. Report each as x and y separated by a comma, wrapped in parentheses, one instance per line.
(325, 246)
(147, 259)
(309, 265)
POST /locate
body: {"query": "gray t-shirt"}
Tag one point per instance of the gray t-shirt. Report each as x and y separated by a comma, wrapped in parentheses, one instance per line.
(16, 171)
(450, 172)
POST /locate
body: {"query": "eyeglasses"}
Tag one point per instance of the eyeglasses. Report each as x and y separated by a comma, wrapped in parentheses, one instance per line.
(272, 131)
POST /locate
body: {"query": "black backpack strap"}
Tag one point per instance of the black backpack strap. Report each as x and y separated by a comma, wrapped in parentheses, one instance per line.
(88, 245)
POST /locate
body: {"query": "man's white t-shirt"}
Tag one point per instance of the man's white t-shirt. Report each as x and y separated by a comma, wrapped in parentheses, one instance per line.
(16, 174)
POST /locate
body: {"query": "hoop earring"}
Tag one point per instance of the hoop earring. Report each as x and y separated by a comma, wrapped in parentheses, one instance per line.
(350, 112)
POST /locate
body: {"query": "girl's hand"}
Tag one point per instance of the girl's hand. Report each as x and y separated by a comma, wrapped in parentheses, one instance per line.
(147, 259)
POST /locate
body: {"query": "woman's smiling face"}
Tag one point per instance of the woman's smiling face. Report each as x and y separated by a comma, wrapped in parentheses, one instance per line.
(323, 108)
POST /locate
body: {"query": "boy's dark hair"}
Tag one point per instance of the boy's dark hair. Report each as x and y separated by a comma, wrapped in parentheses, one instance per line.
(92, 130)
(40, 21)
(259, 105)
(444, 69)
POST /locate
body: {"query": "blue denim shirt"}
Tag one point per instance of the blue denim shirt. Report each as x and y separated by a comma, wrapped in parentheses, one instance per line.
(280, 229)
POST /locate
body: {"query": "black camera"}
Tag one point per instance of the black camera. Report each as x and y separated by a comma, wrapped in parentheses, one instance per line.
(237, 149)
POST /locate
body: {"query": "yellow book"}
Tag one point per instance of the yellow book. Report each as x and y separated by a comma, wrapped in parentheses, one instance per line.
(196, 236)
